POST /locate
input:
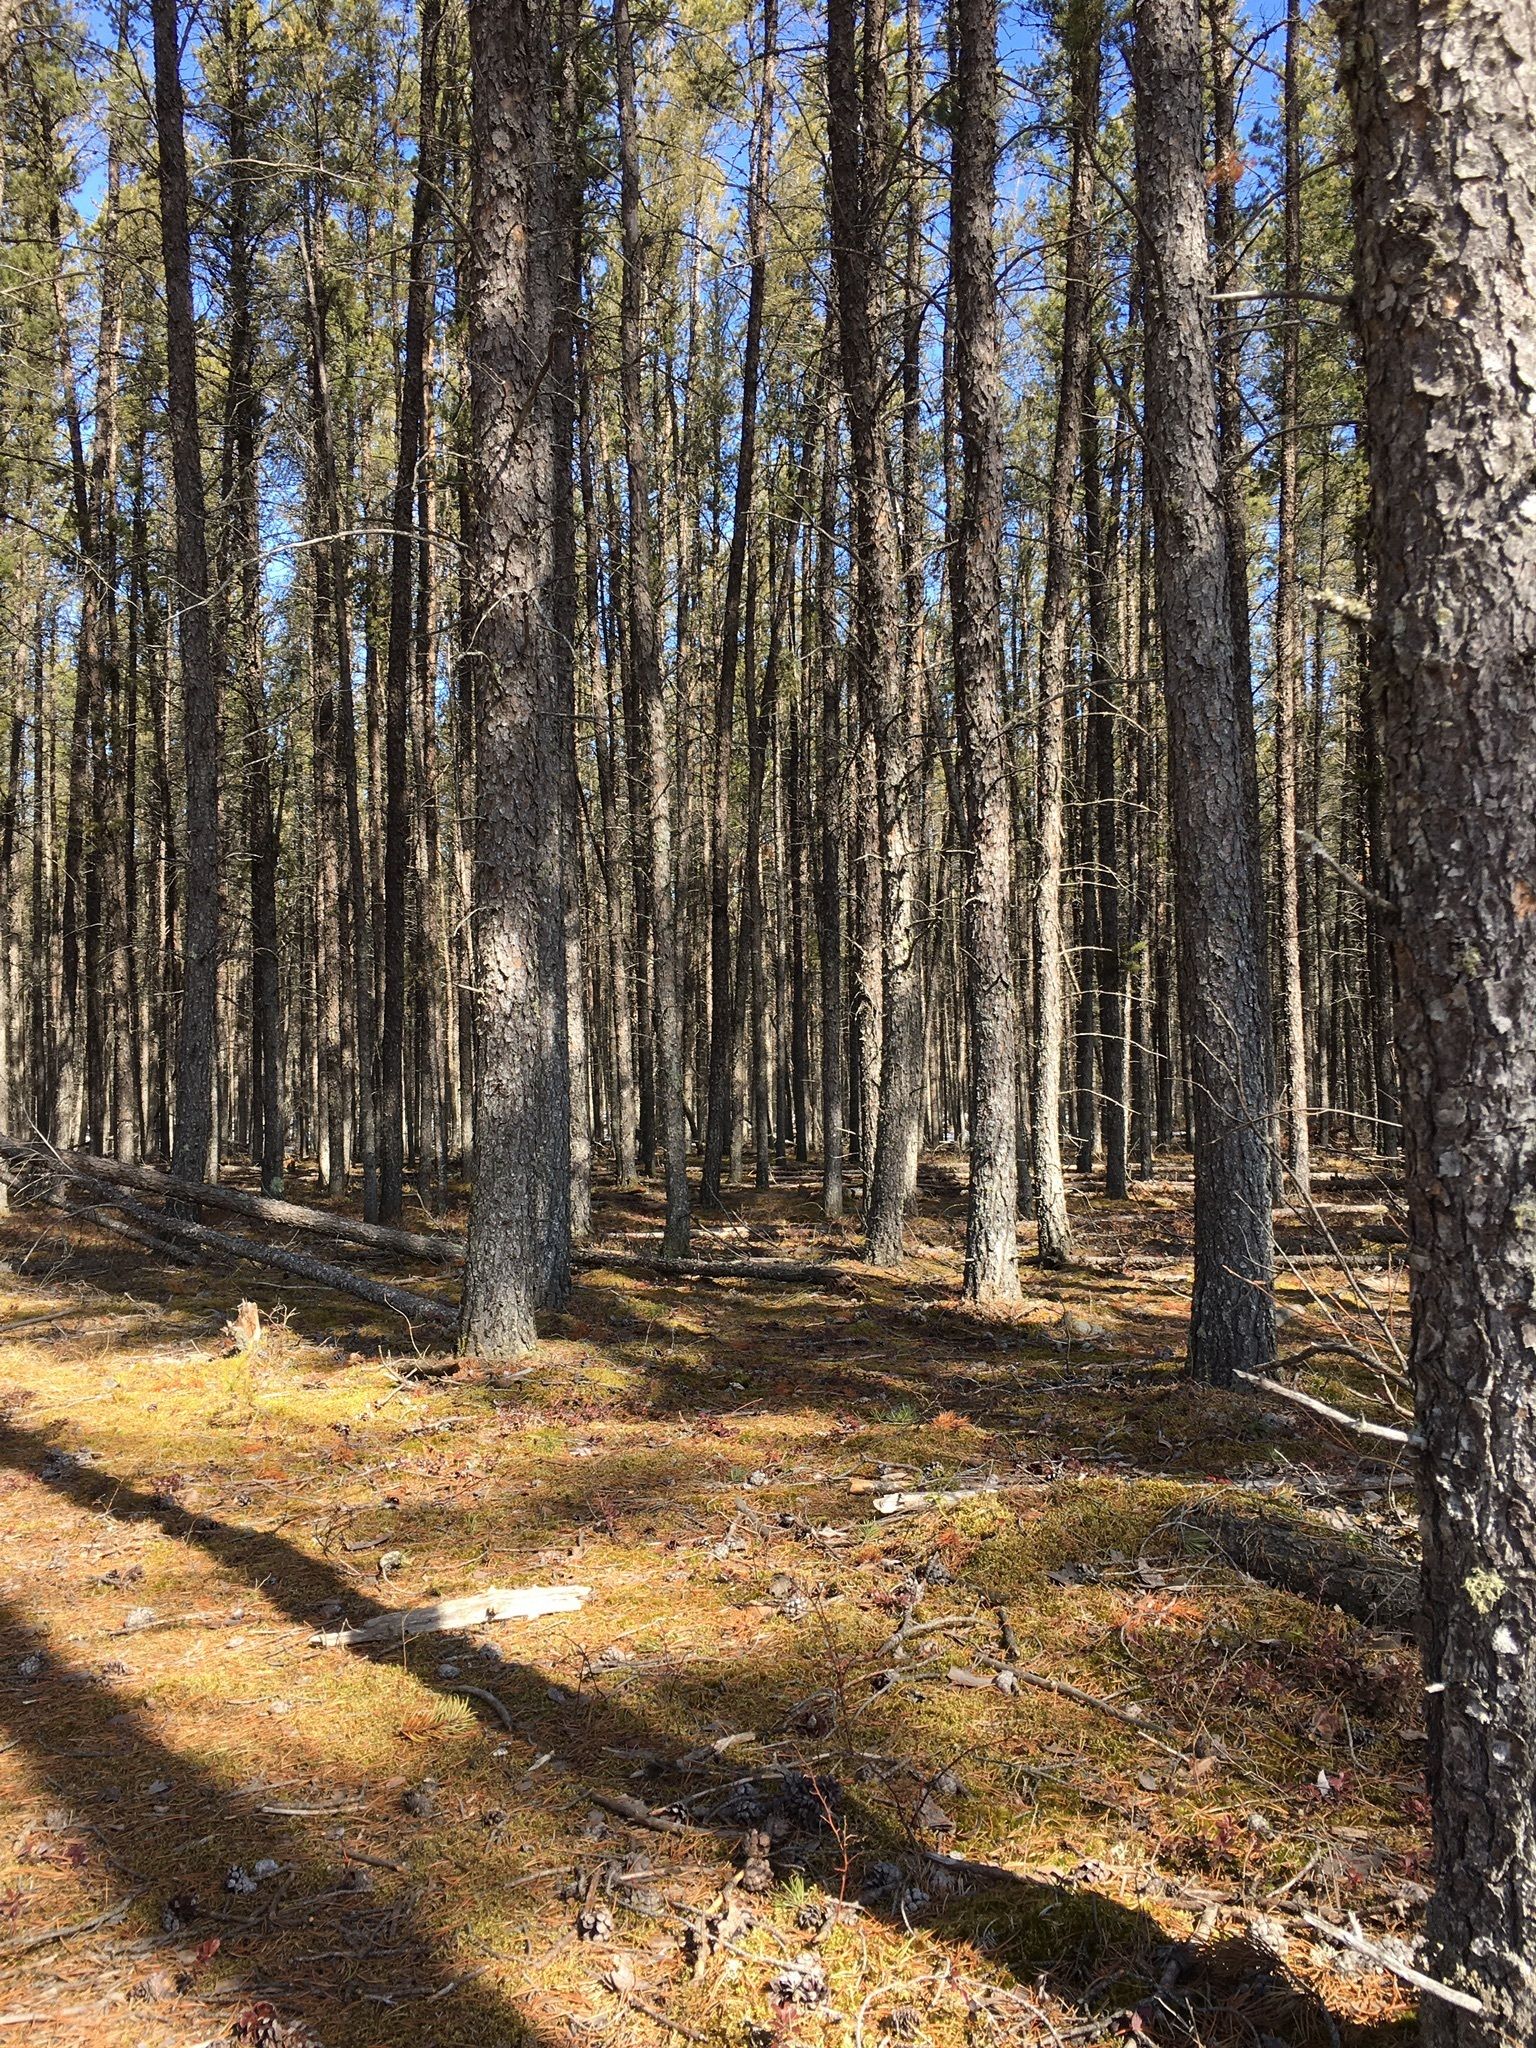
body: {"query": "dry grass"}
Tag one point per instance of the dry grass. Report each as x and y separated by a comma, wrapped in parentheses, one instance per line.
(178, 1512)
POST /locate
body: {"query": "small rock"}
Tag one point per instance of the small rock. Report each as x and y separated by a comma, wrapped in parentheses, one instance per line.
(1258, 1825)
(447, 1670)
(931, 1817)
(267, 1867)
(139, 1617)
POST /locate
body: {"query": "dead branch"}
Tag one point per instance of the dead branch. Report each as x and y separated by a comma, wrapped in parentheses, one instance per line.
(238, 1201)
(1346, 1938)
(1382, 1432)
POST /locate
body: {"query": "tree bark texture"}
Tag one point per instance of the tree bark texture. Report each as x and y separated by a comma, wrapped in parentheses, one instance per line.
(1445, 112)
(519, 1224)
(857, 99)
(411, 439)
(1053, 1228)
(198, 1037)
(1288, 639)
(1220, 937)
(991, 1229)
(651, 719)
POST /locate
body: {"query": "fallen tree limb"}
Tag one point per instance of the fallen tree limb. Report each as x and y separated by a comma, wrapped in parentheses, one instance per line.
(637, 1813)
(50, 1196)
(239, 1202)
(415, 1308)
(487, 1699)
(819, 1272)
(1132, 1718)
(1346, 1938)
(28, 1942)
(1283, 1551)
(438, 1246)
(1382, 1432)
(470, 1610)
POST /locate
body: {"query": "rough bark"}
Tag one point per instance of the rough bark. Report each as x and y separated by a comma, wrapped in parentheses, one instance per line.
(991, 1229)
(1102, 827)
(402, 560)
(567, 308)
(830, 792)
(651, 719)
(856, 94)
(1221, 941)
(520, 1214)
(1445, 115)
(198, 1035)
(1371, 1585)
(1288, 640)
(721, 1021)
(1053, 1229)
(244, 417)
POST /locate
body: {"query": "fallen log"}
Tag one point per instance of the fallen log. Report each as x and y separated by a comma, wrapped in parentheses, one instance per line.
(51, 1197)
(180, 1230)
(818, 1272)
(411, 1244)
(439, 1246)
(1298, 1556)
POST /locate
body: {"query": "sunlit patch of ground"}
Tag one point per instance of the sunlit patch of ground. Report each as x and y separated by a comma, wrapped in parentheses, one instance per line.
(217, 1830)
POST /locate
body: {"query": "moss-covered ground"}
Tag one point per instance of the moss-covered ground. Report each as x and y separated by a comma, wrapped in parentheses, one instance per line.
(216, 1829)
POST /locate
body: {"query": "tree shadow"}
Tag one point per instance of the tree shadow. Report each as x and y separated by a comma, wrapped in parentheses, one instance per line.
(378, 1968)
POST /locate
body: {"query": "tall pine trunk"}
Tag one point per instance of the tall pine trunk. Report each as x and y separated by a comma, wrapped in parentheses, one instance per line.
(991, 1230)
(1082, 30)
(856, 100)
(402, 581)
(1445, 119)
(721, 1022)
(1288, 640)
(198, 1038)
(1220, 937)
(520, 1216)
(650, 723)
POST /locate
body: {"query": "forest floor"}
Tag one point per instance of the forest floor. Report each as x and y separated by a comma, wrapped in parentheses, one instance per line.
(718, 1804)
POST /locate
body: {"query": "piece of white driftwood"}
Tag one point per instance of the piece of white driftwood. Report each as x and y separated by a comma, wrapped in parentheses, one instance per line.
(470, 1610)
(914, 1503)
